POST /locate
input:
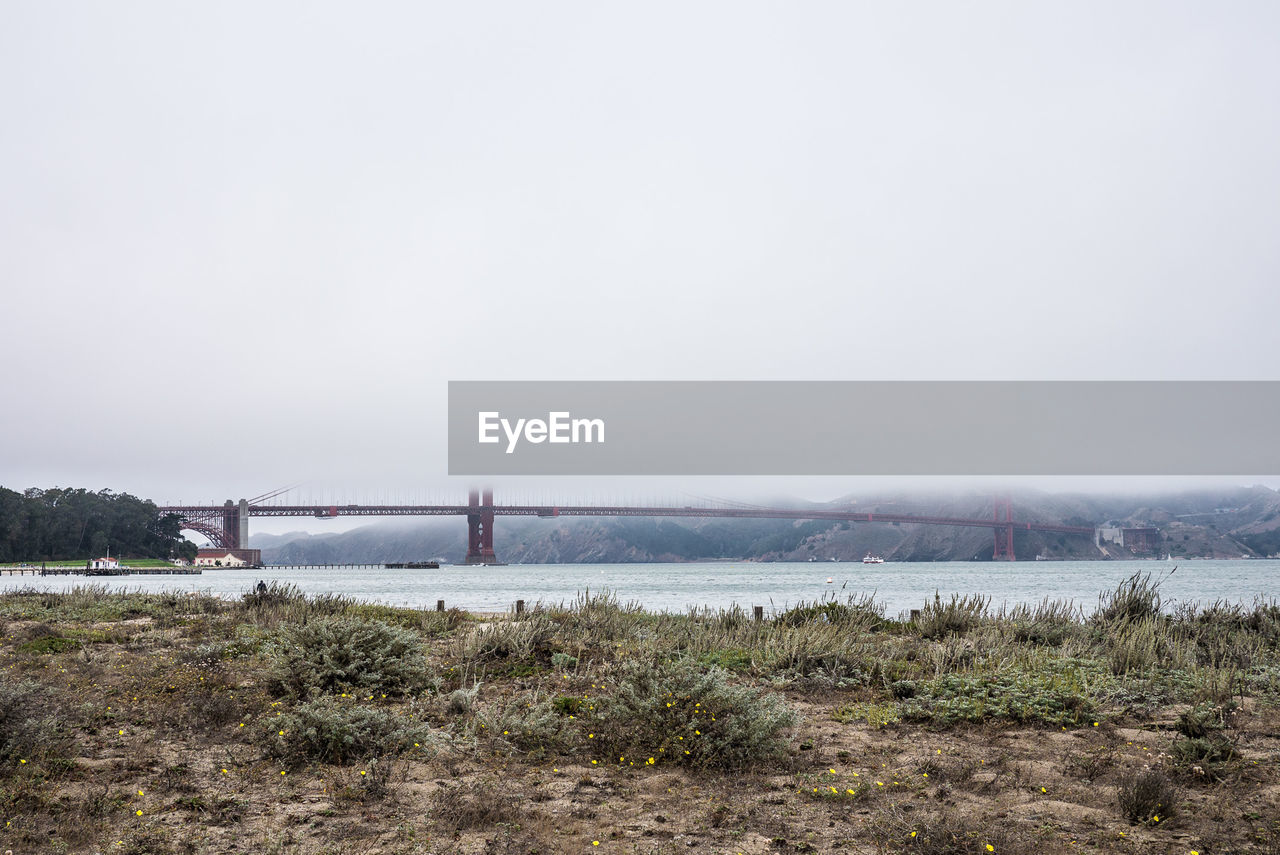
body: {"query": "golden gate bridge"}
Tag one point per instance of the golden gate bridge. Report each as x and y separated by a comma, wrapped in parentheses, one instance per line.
(227, 525)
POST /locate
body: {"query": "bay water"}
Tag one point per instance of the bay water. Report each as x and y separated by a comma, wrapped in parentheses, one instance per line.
(899, 586)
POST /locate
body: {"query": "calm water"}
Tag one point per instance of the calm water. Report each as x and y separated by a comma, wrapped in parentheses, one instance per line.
(675, 587)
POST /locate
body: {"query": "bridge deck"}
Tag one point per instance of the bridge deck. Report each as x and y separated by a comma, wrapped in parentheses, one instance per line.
(330, 511)
(226, 525)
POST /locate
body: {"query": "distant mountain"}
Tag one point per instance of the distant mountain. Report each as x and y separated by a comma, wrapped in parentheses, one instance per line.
(1225, 523)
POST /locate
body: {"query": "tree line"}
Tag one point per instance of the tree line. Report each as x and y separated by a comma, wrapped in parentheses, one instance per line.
(63, 524)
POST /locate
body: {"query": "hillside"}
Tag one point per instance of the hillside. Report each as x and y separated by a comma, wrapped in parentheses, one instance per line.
(1226, 523)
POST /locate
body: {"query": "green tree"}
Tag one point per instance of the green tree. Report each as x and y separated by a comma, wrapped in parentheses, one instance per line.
(63, 523)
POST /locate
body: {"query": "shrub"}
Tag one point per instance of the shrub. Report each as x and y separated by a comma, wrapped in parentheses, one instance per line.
(902, 689)
(1264, 619)
(1146, 797)
(1137, 645)
(567, 704)
(954, 617)
(377, 781)
(26, 733)
(1090, 765)
(1137, 598)
(461, 700)
(674, 712)
(275, 596)
(563, 661)
(333, 731)
(733, 659)
(900, 828)
(858, 613)
(335, 653)
(824, 651)
(525, 639)
(48, 644)
(1201, 720)
(479, 804)
(1050, 624)
(1202, 750)
(530, 725)
(1049, 696)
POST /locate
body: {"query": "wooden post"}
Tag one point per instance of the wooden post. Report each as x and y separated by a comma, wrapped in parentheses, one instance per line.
(439, 605)
(519, 607)
(759, 610)
(915, 615)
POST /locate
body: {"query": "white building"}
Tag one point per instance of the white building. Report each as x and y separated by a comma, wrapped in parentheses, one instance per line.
(219, 558)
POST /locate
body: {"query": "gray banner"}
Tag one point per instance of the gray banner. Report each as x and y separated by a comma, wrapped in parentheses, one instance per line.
(863, 428)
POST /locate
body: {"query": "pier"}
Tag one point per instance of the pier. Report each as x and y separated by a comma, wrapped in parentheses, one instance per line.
(80, 571)
(403, 565)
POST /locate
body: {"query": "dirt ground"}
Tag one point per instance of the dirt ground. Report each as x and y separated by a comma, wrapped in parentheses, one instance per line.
(145, 776)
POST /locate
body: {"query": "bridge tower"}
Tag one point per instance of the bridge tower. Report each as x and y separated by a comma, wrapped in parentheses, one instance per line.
(480, 528)
(1004, 534)
(234, 525)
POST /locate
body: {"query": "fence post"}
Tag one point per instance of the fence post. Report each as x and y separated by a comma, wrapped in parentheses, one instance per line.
(519, 607)
(759, 610)
(439, 605)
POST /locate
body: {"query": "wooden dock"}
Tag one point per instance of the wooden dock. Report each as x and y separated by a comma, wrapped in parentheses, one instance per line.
(420, 565)
(80, 571)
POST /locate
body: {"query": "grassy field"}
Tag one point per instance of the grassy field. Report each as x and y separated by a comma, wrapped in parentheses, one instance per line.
(279, 723)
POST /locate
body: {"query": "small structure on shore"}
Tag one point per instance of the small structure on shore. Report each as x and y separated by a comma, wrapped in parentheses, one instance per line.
(229, 558)
(104, 563)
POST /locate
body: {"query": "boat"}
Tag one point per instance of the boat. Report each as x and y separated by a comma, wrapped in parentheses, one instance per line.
(872, 559)
(831, 580)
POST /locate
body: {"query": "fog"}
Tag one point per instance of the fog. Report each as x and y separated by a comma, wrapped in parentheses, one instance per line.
(247, 245)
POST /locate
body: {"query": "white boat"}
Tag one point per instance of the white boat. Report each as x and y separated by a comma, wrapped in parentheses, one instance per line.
(831, 580)
(872, 559)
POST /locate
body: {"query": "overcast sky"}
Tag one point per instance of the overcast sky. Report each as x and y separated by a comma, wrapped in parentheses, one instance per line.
(245, 244)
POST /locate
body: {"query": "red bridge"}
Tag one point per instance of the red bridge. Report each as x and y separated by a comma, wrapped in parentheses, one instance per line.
(227, 525)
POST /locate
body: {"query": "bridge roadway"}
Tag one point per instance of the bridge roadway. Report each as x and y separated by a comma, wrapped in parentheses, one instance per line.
(328, 511)
(225, 525)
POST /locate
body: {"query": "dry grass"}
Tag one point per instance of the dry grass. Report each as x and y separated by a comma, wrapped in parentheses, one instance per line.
(830, 727)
